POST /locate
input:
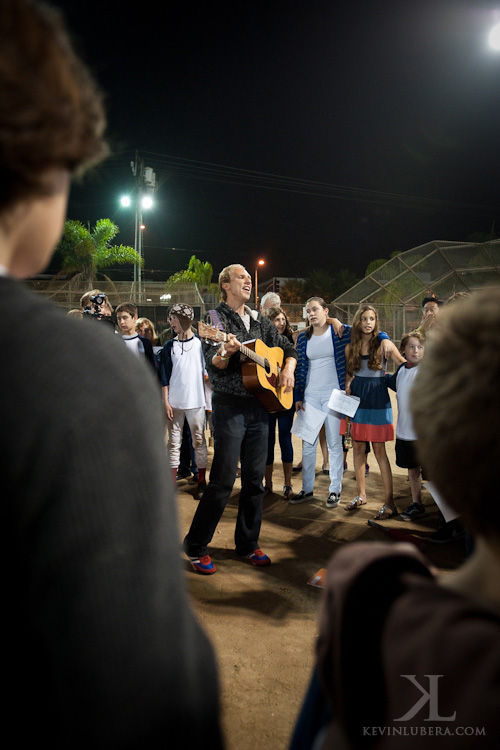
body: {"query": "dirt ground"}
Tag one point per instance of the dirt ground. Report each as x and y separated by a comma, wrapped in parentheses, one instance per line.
(263, 622)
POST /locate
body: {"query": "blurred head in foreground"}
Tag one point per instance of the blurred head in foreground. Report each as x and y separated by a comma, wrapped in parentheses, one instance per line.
(51, 126)
(455, 403)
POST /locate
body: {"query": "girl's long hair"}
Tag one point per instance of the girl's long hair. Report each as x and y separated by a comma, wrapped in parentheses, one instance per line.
(353, 357)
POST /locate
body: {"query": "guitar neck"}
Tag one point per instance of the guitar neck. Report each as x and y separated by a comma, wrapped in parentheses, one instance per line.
(216, 335)
(252, 355)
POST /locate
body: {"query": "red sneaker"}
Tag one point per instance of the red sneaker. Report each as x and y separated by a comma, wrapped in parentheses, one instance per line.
(258, 558)
(203, 565)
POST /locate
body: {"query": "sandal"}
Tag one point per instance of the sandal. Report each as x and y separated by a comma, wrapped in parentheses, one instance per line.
(385, 512)
(268, 490)
(356, 503)
(287, 491)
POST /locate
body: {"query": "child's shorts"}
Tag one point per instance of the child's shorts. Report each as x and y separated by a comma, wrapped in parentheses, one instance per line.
(406, 456)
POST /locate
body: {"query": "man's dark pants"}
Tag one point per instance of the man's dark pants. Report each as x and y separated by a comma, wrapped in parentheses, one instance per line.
(240, 434)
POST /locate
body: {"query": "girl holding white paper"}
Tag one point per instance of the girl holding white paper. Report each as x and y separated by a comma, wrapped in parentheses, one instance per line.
(373, 420)
(321, 367)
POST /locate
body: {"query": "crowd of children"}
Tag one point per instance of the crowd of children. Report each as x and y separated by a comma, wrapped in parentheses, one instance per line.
(354, 356)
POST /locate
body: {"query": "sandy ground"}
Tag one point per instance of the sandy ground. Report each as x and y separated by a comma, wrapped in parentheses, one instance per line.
(263, 622)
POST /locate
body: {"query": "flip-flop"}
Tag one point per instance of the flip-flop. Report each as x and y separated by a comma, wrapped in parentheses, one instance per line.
(356, 503)
(386, 512)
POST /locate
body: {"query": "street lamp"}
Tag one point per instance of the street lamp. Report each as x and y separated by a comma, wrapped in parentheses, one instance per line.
(259, 263)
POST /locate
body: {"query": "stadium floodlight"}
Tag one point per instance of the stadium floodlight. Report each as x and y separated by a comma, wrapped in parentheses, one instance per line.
(494, 37)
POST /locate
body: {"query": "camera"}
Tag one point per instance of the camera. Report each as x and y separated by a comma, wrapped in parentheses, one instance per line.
(94, 310)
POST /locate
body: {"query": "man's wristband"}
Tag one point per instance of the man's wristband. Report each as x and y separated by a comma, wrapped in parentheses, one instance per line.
(221, 356)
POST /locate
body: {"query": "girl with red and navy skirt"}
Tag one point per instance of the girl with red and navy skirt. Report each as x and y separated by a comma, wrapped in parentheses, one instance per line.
(373, 421)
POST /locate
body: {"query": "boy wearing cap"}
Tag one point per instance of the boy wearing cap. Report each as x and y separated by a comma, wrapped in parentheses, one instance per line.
(182, 372)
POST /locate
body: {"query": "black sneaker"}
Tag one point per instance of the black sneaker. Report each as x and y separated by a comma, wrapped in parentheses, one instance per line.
(450, 532)
(413, 511)
(333, 500)
(302, 497)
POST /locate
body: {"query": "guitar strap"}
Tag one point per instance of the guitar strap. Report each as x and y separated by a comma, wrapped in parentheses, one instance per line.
(214, 320)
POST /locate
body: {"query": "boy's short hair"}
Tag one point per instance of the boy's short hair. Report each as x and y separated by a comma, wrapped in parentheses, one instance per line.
(411, 335)
(455, 401)
(127, 307)
(51, 113)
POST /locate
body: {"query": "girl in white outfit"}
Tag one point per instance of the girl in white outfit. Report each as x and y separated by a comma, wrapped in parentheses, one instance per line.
(321, 379)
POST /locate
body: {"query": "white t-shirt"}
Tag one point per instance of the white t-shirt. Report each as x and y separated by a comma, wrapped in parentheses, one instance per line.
(404, 383)
(134, 344)
(322, 373)
(186, 389)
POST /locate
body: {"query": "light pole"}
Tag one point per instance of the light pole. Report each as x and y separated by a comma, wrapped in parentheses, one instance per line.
(259, 263)
(140, 201)
(145, 186)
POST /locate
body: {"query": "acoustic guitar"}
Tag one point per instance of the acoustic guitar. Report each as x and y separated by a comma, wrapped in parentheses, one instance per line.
(261, 369)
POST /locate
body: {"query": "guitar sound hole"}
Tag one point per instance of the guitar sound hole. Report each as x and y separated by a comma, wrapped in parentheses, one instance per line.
(267, 367)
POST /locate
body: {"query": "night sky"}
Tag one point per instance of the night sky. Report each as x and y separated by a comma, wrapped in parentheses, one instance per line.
(312, 134)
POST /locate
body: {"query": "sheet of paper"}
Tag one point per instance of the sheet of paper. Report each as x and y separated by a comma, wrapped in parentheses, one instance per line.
(319, 579)
(449, 513)
(308, 423)
(343, 404)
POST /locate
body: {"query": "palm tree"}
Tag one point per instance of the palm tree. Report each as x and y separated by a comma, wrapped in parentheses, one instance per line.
(85, 251)
(292, 291)
(320, 283)
(344, 280)
(197, 272)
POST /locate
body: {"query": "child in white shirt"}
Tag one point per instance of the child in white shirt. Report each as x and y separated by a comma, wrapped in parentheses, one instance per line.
(182, 378)
(412, 348)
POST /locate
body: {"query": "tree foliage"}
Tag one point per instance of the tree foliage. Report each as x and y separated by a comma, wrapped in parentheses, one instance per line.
(292, 291)
(374, 264)
(318, 283)
(198, 273)
(84, 251)
(344, 280)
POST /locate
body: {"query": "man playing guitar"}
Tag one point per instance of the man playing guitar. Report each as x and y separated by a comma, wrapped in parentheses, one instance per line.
(240, 425)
